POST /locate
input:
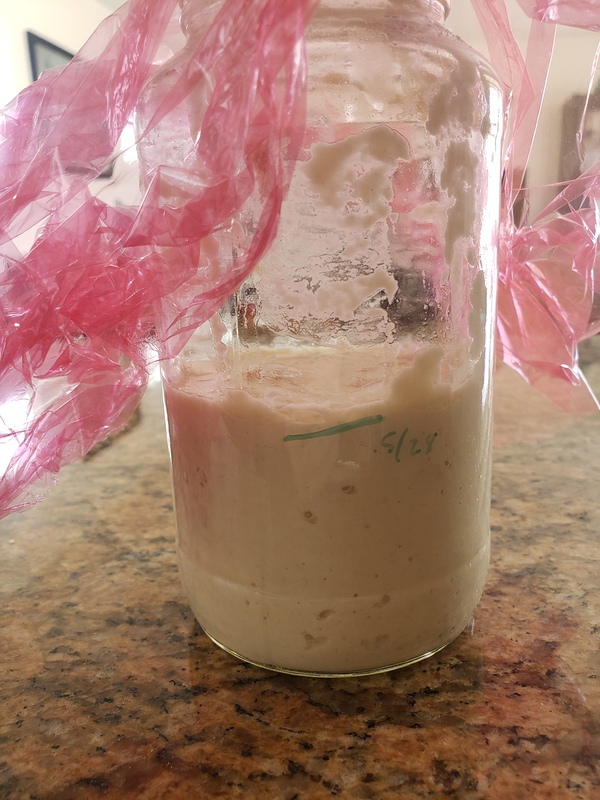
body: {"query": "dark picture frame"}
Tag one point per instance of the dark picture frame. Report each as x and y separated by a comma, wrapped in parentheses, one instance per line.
(575, 154)
(571, 164)
(44, 55)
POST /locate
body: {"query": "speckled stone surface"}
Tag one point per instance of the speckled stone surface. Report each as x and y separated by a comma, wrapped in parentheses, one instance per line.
(109, 689)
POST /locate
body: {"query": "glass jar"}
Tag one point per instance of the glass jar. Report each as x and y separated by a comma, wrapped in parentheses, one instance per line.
(330, 429)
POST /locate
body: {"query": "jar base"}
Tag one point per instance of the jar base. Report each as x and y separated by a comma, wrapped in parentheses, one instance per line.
(346, 674)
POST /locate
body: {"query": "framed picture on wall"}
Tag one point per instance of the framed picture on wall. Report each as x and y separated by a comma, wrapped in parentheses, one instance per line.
(580, 144)
(44, 55)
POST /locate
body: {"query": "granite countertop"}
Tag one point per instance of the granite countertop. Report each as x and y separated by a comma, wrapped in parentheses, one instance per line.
(109, 689)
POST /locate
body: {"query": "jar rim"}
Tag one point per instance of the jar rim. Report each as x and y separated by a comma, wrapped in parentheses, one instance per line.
(442, 7)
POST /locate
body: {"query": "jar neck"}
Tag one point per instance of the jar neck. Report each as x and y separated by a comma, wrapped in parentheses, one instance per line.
(434, 10)
(195, 14)
(437, 9)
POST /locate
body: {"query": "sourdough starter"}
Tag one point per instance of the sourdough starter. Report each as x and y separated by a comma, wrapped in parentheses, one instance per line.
(332, 505)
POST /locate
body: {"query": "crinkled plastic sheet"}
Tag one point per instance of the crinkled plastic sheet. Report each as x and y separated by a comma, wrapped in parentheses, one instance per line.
(549, 269)
(90, 289)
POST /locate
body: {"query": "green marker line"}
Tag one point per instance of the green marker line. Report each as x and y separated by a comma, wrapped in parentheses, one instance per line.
(345, 426)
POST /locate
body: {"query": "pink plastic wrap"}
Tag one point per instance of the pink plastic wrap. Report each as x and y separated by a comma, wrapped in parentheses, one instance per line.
(549, 269)
(547, 294)
(578, 13)
(91, 292)
(101, 284)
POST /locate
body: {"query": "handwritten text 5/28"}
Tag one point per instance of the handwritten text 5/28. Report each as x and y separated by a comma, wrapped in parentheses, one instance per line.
(402, 446)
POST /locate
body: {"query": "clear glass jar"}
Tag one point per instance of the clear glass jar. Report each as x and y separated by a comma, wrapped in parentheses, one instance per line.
(330, 429)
